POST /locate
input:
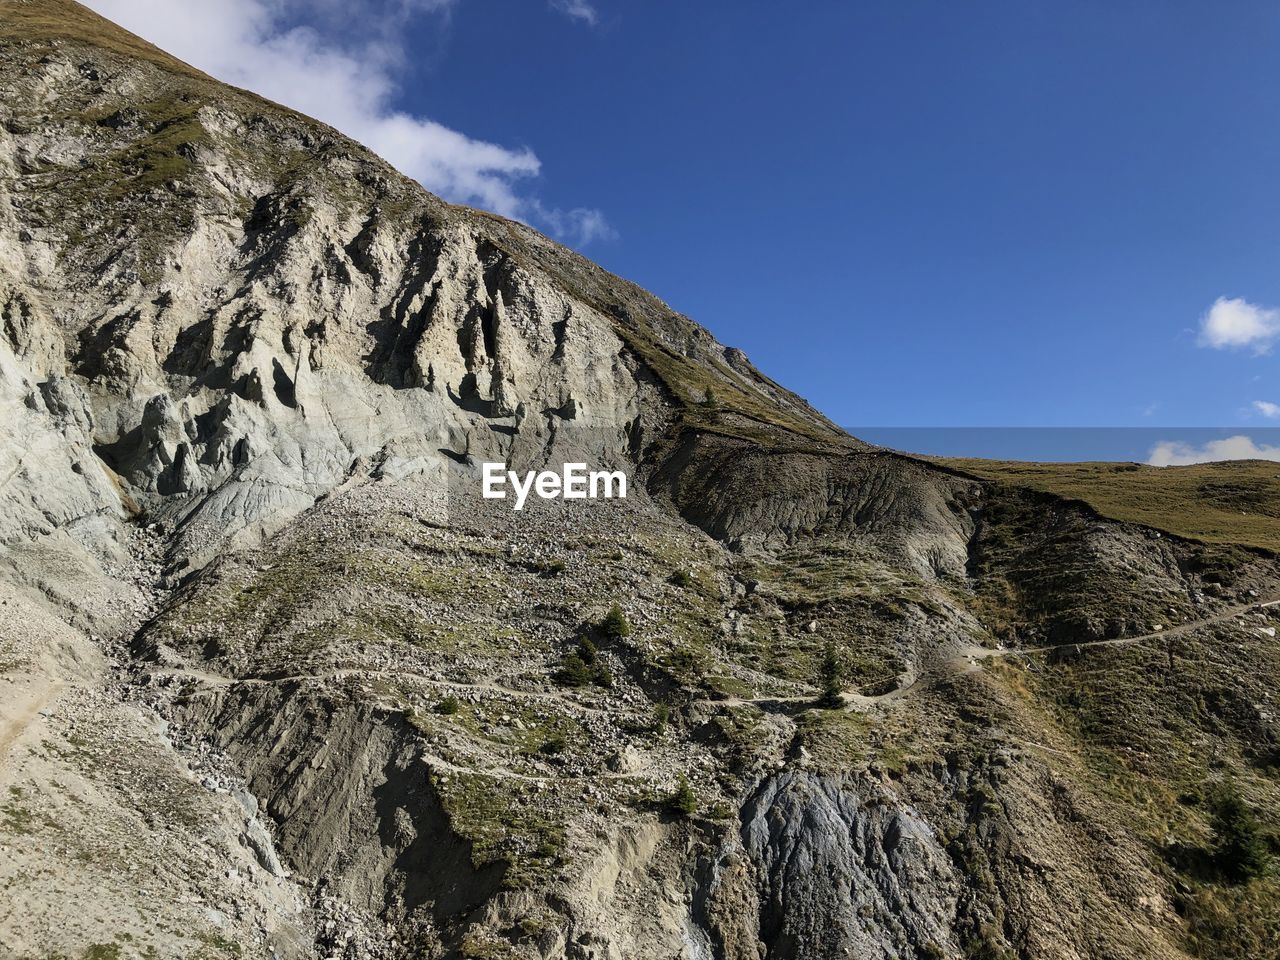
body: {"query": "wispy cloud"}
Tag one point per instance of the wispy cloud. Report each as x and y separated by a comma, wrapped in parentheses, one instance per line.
(1173, 453)
(1267, 408)
(346, 77)
(581, 224)
(1233, 323)
(578, 10)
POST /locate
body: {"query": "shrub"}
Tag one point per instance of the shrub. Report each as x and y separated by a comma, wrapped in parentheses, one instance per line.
(615, 625)
(603, 675)
(721, 811)
(831, 678)
(584, 666)
(661, 717)
(683, 800)
(448, 706)
(986, 946)
(1241, 848)
(573, 671)
(682, 578)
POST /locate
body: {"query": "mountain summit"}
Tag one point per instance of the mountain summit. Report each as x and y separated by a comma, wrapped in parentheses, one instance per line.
(278, 680)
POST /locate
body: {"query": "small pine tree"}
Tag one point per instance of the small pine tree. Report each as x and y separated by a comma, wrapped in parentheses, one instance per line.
(683, 801)
(661, 717)
(573, 671)
(831, 678)
(448, 706)
(682, 578)
(710, 401)
(1241, 846)
(587, 650)
(615, 625)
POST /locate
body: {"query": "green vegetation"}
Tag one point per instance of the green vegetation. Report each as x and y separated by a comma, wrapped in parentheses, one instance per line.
(1035, 584)
(1152, 725)
(273, 612)
(218, 943)
(615, 624)
(682, 578)
(584, 666)
(831, 678)
(448, 706)
(725, 686)
(17, 817)
(71, 21)
(548, 568)
(832, 571)
(683, 800)
(987, 946)
(1239, 922)
(661, 717)
(1235, 503)
(691, 382)
(495, 814)
(537, 925)
(835, 740)
(573, 671)
(554, 745)
(482, 946)
(1240, 848)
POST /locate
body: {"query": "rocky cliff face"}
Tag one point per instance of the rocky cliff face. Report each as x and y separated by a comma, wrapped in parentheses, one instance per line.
(277, 683)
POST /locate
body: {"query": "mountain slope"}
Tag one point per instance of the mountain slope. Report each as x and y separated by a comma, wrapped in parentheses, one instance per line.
(280, 682)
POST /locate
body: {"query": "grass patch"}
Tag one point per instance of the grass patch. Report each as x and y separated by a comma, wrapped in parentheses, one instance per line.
(835, 740)
(62, 19)
(1233, 923)
(1235, 503)
(505, 824)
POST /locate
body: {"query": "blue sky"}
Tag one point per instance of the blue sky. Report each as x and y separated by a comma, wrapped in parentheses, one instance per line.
(1008, 213)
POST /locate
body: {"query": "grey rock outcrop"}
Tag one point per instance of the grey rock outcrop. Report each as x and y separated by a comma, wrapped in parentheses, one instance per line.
(846, 868)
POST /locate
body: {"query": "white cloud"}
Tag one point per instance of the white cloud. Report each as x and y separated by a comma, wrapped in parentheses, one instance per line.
(348, 81)
(1172, 453)
(581, 225)
(578, 10)
(1233, 322)
(1267, 408)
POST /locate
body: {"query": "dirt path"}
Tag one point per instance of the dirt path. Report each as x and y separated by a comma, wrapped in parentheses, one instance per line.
(432, 760)
(982, 653)
(20, 711)
(439, 763)
(451, 686)
(967, 660)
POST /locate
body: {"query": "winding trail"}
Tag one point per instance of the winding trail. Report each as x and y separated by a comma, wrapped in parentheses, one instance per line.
(967, 660)
(970, 658)
(19, 712)
(1228, 613)
(344, 673)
